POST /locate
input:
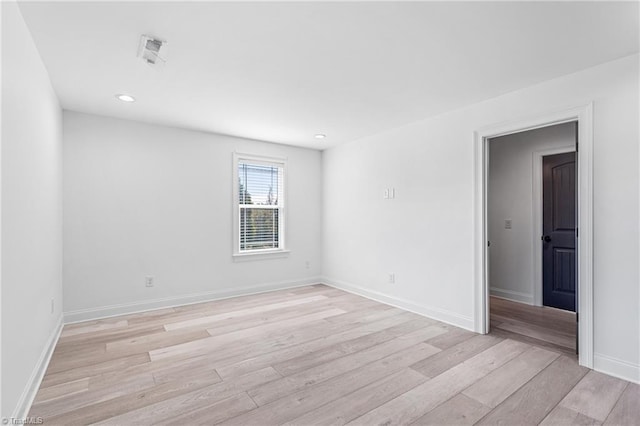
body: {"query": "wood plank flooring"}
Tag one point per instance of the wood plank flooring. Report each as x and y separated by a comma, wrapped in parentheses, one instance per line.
(549, 328)
(314, 356)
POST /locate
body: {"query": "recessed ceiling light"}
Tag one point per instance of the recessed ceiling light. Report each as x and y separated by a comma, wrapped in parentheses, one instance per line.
(320, 136)
(125, 98)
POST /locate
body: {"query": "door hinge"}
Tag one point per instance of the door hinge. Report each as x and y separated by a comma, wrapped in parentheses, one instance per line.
(576, 232)
(488, 243)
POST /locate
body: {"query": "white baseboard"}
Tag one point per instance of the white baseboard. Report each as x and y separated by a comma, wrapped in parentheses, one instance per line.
(33, 384)
(616, 367)
(515, 296)
(187, 299)
(438, 314)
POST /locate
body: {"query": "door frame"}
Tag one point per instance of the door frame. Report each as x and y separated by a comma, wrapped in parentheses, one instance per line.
(584, 286)
(537, 216)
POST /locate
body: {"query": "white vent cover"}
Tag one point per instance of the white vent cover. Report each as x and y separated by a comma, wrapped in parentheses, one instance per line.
(152, 50)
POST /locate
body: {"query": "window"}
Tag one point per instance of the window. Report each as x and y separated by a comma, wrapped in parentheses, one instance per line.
(259, 201)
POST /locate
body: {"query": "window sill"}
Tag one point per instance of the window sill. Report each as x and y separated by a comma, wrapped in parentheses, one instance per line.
(264, 255)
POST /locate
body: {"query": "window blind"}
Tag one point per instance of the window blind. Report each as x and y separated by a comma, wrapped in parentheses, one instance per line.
(260, 204)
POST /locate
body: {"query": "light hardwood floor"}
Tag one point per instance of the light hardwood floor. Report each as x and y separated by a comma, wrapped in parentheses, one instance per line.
(549, 328)
(314, 355)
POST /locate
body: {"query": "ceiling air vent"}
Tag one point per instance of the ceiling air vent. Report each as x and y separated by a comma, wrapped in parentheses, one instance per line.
(152, 50)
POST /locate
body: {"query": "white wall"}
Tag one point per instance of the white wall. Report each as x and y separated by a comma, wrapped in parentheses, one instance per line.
(425, 235)
(31, 213)
(510, 197)
(143, 200)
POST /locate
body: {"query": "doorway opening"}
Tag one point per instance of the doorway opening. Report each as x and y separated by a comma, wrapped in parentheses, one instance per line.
(532, 217)
(521, 244)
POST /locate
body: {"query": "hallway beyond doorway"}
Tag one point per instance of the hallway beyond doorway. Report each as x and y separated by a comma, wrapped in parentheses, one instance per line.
(549, 328)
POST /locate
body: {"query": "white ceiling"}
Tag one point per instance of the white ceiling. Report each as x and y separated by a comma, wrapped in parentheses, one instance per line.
(282, 72)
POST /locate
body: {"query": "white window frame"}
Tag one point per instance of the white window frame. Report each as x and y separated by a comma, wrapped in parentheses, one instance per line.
(281, 251)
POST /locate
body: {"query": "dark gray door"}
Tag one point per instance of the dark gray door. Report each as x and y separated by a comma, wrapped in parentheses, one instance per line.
(559, 231)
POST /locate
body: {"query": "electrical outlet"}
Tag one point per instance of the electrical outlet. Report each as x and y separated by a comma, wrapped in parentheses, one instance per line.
(307, 264)
(507, 224)
(392, 278)
(52, 305)
(148, 281)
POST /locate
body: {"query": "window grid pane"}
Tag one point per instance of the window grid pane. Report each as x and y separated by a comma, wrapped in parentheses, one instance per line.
(261, 185)
(259, 228)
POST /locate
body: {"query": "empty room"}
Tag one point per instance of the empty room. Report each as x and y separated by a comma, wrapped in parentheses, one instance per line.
(320, 213)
